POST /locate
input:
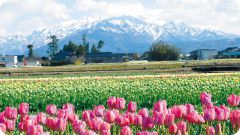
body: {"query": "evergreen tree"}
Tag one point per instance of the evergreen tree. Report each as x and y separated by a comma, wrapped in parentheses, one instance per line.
(70, 47)
(100, 44)
(94, 49)
(30, 47)
(53, 46)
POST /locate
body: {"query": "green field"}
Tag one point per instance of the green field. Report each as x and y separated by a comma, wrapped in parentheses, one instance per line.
(85, 92)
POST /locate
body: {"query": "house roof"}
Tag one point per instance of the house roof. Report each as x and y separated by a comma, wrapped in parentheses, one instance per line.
(106, 54)
(231, 53)
(32, 58)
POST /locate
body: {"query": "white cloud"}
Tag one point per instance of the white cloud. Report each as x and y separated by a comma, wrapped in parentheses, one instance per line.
(27, 15)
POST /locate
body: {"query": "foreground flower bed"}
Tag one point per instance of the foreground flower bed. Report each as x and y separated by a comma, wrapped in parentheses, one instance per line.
(125, 120)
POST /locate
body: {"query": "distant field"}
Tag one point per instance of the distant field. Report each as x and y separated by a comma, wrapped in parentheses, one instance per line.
(105, 69)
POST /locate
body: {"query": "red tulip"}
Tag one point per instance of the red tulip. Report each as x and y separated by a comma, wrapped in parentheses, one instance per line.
(233, 100)
(61, 124)
(120, 103)
(161, 106)
(41, 118)
(3, 127)
(209, 115)
(143, 112)
(23, 109)
(172, 129)
(62, 114)
(126, 131)
(158, 118)
(147, 123)
(10, 113)
(111, 102)
(132, 107)
(10, 125)
(122, 121)
(33, 130)
(169, 119)
(182, 127)
(51, 109)
(205, 98)
(99, 110)
(110, 117)
(138, 120)
(210, 131)
(147, 133)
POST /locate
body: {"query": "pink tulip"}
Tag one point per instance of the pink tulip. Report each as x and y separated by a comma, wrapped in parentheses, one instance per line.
(61, 124)
(111, 102)
(105, 126)
(179, 111)
(3, 127)
(79, 126)
(2, 117)
(51, 123)
(122, 121)
(226, 112)
(158, 118)
(33, 130)
(51, 109)
(138, 120)
(120, 103)
(99, 110)
(209, 115)
(95, 123)
(172, 129)
(233, 100)
(182, 127)
(235, 118)
(147, 123)
(86, 115)
(62, 114)
(161, 106)
(69, 107)
(169, 119)
(189, 108)
(23, 109)
(147, 133)
(132, 107)
(10, 113)
(143, 112)
(73, 117)
(130, 117)
(205, 98)
(110, 117)
(210, 131)
(105, 132)
(10, 125)
(219, 113)
(26, 122)
(41, 118)
(43, 133)
(126, 131)
(117, 113)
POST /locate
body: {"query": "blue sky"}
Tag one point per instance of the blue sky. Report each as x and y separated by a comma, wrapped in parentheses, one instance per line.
(25, 16)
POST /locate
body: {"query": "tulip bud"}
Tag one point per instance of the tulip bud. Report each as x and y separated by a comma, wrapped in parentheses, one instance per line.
(132, 107)
(147, 123)
(169, 119)
(158, 118)
(205, 98)
(111, 102)
(172, 129)
(126, 131)
(23, 109)
(210, 131)
(160, 106)
(10, 125)
(138, 120)
(10, 113)
(41, 118)
(33, 130)
(99, 110)
(110, 117)
(233, 100)
(51, 109)
(120, 103)
(62, 114)
(143, 112)
(209, 115)
(182, 127)
(61, 124)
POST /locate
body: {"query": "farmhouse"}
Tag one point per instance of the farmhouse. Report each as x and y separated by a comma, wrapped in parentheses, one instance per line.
(203, 54)
(108, 57)
(230, 52)
(65, 57)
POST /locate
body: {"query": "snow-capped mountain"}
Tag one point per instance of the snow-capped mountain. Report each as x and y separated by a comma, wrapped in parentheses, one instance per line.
(121, 34)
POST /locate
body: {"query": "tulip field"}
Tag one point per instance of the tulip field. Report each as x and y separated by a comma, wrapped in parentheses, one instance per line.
(181, 104)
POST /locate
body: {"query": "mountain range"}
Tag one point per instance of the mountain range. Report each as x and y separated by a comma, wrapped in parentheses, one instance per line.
(121, 34)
